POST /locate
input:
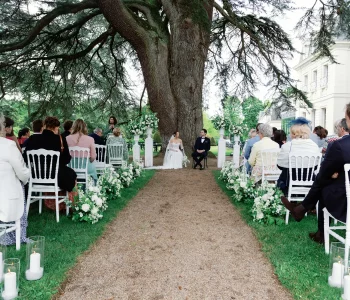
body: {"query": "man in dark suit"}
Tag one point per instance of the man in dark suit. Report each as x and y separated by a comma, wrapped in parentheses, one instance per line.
(328, 187)
(97, 136)
(201, 148)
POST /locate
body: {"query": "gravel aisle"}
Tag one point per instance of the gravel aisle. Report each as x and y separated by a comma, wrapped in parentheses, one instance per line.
(180, 238)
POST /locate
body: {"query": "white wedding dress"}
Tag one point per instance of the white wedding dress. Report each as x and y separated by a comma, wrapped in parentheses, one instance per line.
(173, 157)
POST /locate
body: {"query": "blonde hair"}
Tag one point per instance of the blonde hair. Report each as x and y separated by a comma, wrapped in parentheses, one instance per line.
(117, 131)
(300, 131)
(79, 126)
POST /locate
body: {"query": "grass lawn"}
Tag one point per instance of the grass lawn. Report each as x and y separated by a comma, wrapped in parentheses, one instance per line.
(300, 264)
(65, 241)
(214, 150)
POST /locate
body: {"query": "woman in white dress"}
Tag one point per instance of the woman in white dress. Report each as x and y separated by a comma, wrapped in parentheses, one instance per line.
(174, 153)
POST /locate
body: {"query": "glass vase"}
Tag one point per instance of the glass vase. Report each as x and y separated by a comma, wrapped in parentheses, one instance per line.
(336, 265)
(10, 283)
(35, 258)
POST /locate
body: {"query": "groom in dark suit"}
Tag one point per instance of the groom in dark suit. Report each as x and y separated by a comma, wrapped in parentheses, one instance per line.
(201, 148)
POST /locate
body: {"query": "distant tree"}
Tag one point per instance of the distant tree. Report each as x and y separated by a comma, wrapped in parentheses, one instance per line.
(208, 125)
(251, 109)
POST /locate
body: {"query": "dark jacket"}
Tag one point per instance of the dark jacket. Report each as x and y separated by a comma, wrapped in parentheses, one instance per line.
(65, 133)
(50, 141)
(202, 146)
(332, 190)
(98, 140)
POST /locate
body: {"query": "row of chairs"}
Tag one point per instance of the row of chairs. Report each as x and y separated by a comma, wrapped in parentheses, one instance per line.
(44, 166)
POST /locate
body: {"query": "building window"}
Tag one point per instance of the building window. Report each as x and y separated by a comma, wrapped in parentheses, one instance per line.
(306, 83)
(324, 117)
(324, 80)
(315, 76)
(314, 81)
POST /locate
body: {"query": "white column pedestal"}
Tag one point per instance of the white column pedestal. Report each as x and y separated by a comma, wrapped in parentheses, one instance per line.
(136, 149)
(221, 149)
(236, 150)
(149, 149)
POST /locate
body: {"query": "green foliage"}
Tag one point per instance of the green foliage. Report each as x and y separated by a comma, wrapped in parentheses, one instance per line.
(209, 126)
(251, 108)
(212, 142)
(66, 241)
(156, 137)
(300, 264)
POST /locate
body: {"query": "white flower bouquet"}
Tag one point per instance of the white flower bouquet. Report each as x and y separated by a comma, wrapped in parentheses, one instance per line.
(136, 127)
(185, 160)
(220, 122)
(126, 175)
(237, 129)
(110, 184)
(89, 206)
(267, 207)
(137, 169)
(150, 120)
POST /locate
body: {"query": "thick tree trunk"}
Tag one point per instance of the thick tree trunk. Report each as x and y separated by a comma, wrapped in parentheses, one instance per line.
(172, 65)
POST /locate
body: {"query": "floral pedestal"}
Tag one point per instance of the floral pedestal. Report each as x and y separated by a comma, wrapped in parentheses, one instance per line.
(221, 149)
(236, 150)
(149, 148)
(136, 149)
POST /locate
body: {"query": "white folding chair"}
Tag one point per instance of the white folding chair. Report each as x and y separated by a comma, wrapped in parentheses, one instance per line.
(79, 163)
(115, 155)
(14, 226)
(302, 167)
(345, 226)
(270, 171)
(101, 158)
(44, 166)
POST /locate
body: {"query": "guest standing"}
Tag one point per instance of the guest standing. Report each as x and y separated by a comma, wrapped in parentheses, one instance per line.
(13, 174)
(112, 123)
(51, 140)
(79, 138)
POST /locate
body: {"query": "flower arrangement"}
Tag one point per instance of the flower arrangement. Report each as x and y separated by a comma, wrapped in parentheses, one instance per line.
(137, 169)
(185, 160)
(89, 206)
(110, 184)
(220, 122)
(237, 129)
(267, 207)
(126, 175)
(136, 127)
(150, 120)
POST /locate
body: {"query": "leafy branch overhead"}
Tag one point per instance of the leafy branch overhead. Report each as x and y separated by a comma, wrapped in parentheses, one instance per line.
(72, 51)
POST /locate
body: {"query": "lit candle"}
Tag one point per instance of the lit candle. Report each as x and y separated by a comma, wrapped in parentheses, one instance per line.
(10, 284)
(35, 262)
(346, 295)
(337, 274)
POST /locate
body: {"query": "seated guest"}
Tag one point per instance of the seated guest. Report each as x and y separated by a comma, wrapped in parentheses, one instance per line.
(13, 175)
(67, 126)
(274, 129)
(280, 137)
(265, 143)
(23, 135)
(321, 134)
(112, 123)
(79, 138)
(37, 126)
(249, 146)
(341, 129)
(328, 188)
(97, 136)
(51, 140)
(201, 149)
(9, 132)
(300, 143)
(252, 133)
(116, 139)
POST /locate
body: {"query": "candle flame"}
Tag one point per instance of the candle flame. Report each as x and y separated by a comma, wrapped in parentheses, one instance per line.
(8, 270)
(34, 252)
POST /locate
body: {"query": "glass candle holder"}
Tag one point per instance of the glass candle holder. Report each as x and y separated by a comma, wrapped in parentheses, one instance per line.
(35, 258)
(336, 265)
(2, 251)
(10, 278)
(346, 285)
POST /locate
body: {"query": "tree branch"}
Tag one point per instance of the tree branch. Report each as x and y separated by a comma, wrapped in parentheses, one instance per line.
(46, 20)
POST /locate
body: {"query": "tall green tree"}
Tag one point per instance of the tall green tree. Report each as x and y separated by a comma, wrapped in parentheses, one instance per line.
(71, 50)
(251, 109)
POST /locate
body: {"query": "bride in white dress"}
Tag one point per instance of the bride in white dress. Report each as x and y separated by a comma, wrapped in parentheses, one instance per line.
(173, 157)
